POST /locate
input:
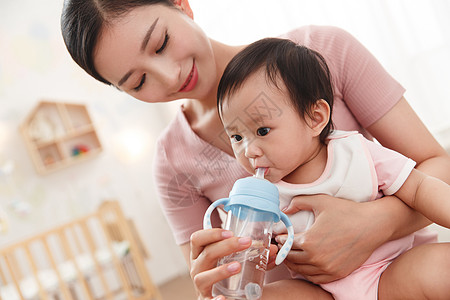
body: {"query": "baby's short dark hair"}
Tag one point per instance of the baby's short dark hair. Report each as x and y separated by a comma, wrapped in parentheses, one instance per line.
(303, 71)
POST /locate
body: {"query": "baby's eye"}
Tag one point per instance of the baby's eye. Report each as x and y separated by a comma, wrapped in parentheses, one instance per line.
(262, 131)
(235, 138)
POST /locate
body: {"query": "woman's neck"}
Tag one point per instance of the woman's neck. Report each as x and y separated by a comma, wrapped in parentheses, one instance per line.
(222, 55)
(202, 113)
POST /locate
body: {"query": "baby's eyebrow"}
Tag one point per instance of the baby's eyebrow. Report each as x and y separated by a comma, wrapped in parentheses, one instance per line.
(230, 128)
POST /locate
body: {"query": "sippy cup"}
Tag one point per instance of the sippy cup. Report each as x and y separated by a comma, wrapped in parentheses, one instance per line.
(253, 208)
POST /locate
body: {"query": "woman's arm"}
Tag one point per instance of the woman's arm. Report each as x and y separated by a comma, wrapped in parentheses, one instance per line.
(402, 130)
(346, 233)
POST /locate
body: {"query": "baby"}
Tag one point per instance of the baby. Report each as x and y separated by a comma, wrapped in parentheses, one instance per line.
(275, 100)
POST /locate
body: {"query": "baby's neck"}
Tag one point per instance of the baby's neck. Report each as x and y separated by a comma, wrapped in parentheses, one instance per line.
(312, 169)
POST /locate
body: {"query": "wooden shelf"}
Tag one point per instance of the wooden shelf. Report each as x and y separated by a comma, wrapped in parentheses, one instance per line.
(59, 135)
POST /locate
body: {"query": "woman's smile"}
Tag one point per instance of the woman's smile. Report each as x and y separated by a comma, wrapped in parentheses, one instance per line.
(191, 80)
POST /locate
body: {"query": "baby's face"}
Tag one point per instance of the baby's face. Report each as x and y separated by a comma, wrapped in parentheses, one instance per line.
(265, 130)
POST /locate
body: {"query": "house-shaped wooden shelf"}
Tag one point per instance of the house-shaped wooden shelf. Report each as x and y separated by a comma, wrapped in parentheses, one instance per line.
(59, 135)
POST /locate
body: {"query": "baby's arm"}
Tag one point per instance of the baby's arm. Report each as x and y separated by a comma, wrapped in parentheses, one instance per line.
(428, 195)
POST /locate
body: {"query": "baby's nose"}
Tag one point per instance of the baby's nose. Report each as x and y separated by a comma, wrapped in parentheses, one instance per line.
(252, 150)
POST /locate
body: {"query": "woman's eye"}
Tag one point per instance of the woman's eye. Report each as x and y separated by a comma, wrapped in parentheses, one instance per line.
(166, 39)
(262, 131)
(236, 138)
(141, 83)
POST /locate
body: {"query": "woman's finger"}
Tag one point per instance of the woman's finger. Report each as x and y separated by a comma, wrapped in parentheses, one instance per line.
(310, 272)
(208, 258)
(205, 280)
(304, 270)
(202, 238)
(220, 249)
(303, 202)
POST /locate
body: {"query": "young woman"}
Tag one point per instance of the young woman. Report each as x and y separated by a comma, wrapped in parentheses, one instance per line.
(154, 51)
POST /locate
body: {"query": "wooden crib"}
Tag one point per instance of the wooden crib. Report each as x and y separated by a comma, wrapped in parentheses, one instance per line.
(97, 256)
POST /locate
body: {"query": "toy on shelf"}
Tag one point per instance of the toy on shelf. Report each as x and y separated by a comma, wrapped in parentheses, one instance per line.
(79, 149)
(56, 133)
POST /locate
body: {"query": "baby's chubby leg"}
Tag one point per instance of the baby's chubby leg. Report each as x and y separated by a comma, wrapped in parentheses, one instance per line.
(294, 289)
(420, 273)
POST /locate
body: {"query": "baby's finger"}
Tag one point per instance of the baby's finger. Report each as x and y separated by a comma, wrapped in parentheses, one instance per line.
(299, 239)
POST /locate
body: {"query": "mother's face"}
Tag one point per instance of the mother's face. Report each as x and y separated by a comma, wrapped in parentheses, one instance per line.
(156, 54)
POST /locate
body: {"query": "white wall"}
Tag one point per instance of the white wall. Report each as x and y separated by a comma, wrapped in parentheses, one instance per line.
(34, 65)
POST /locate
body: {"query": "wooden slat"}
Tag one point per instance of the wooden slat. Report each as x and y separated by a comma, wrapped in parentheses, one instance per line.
(61, 282)
(70, 256)
(98, 268)
(11, 268)
(42, 294)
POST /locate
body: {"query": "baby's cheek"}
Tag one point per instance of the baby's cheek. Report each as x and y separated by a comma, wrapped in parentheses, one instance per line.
(243, 161)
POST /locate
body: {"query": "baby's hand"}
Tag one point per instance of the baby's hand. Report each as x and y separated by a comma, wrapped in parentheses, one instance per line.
(296, 245)
(272, 256)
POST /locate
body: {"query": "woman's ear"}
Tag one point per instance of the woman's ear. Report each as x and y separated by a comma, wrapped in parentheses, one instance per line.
(184, 6)
(319, 116)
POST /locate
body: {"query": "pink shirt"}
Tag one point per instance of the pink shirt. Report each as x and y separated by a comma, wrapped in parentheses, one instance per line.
(190, 173)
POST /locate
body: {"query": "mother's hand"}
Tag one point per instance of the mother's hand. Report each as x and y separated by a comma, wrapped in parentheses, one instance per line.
(207, 247)
(341, 239)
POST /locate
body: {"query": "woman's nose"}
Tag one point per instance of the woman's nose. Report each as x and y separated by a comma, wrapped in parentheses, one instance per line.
(168, 74)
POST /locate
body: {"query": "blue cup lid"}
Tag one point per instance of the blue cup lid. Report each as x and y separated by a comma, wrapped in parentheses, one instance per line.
(255, 193)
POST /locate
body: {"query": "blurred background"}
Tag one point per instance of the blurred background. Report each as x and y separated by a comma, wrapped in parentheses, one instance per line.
(411, 38)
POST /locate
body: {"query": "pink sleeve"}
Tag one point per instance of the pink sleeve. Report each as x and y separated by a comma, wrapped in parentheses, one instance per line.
(368, 90)
(364, 90)
(180, 198)
(392, 168)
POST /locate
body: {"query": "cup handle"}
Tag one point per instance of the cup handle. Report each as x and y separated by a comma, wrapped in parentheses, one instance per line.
(207, 217)
(290, 240)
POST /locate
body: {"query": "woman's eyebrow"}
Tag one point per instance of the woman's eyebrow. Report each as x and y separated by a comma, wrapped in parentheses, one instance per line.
(143, 46)
(148, 35)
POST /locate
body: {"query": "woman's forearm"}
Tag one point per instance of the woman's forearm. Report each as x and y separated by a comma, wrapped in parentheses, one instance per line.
(396, 219)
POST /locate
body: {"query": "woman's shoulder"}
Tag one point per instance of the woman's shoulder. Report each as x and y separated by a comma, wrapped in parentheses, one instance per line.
(178, 132)
(179, 148)
(314, 34)
(175, 148)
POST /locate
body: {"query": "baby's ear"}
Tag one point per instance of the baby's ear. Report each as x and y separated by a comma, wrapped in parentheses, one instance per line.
(320, 115)
(185, 7)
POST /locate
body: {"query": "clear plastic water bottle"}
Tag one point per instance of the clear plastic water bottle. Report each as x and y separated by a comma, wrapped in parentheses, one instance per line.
(253, 208)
